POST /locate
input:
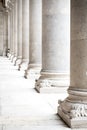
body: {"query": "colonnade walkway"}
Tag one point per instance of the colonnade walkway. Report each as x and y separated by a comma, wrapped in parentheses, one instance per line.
(21, 107)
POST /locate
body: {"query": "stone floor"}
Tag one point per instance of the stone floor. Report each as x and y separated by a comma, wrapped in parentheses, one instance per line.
(21, 107)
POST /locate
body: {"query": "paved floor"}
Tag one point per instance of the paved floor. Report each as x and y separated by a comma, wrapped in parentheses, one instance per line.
(21, 107)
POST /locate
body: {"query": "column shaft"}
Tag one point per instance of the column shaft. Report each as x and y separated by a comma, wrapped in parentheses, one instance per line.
(12, 34)
(15, 31)
(35, 39)
(5, 40)
(55, 46)
(19, 46)
(25, 35)
(9, 34)
(73, 109)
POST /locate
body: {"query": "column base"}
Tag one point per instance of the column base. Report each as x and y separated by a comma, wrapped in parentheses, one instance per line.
(8, 55)
(73, 110)
(12, 57)
(23, 65)
(79, 122)
(18, 61)
(52, 83)
(33, 71)
(4, 54)
(14, 60)
(51, 89)
(75, 118)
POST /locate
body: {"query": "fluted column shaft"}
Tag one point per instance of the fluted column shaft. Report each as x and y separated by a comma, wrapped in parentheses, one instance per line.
(55, 45)
(35, 39)
(25, 34)
(74, 108)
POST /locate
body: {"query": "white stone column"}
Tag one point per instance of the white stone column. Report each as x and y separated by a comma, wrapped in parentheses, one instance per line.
(5, 33)
(15, 31)
(12, 34)
(55, 46)
(34, 66)
(9, 33)
(1, 30)
(10, 29)
(19, 45)
(25, 35)
(73, 110)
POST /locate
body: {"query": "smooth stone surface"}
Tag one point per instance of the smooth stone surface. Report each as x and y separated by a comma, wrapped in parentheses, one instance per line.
(55, 48)
(5, 33)
(33, 71)
(73, 110)
(21, 107)
(52, 82)
(35, 32)
(51, 89)
(15, 28)
(23, 65)
(35, 45)
(19, 45)
(25, 30)
(1, 32)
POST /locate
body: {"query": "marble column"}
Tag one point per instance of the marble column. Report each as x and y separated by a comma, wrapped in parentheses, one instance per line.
(12, 34)
(73, 110)
(19, 45)
(15, 31)
(55, 46)
(1, 30)
(9, 34)
(25, 35)
(5, 37)
(34, 66)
